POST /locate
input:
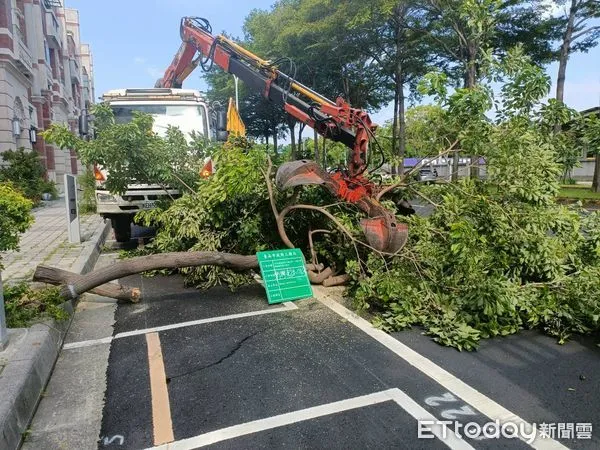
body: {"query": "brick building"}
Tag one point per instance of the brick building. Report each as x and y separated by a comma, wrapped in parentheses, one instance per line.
(46, 76)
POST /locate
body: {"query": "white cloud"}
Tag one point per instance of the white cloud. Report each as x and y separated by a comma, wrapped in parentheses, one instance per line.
(154, 72)
(555, 9)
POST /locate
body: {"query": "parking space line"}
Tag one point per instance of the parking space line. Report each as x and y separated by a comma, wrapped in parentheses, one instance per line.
(89, 343)
(161, 408)
(395, 395)
(288, 306)
(470, 395)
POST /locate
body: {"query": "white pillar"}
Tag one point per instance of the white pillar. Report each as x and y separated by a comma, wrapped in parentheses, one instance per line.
(72, 208)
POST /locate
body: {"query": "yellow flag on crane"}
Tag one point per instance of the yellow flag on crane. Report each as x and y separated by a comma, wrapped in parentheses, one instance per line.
(235, 125)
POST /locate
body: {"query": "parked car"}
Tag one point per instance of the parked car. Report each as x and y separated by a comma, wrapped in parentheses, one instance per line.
(427, 175)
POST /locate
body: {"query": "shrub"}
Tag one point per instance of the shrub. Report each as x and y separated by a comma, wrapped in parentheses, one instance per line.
(15, 217)
(496, 255)
(25, 305)
(26, 172)
(87, 200)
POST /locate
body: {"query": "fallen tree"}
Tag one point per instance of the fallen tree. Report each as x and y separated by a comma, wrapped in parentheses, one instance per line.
(56, 276)
(97, 281)
(121, 269)
(493, 256)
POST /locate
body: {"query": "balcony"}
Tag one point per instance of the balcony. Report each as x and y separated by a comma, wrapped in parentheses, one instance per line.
(53, 30)
(52, 3)
(75, 72)
(24, 59)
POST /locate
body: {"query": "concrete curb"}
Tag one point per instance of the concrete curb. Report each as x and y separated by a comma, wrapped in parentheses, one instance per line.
(33, 357)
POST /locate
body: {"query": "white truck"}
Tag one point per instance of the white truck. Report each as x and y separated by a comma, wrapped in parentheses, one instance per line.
(186, 109)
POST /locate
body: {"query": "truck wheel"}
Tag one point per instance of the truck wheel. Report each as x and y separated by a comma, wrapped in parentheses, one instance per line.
(122, 228)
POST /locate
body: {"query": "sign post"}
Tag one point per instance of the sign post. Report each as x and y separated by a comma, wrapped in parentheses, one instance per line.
(284, 275)
(72, 209)
(3, 330)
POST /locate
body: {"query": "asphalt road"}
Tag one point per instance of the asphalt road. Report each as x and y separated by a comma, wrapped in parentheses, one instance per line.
(238, 373)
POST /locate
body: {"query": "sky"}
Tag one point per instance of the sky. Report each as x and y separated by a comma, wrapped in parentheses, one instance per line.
(133, 41)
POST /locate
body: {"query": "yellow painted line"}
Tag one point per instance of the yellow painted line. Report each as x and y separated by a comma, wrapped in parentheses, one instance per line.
(161, 409)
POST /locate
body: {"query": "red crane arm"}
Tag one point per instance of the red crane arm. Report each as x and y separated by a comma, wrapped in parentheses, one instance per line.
(337, 121)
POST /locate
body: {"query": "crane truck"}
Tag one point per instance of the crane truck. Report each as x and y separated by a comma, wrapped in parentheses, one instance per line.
(187, 109)
(335, 120)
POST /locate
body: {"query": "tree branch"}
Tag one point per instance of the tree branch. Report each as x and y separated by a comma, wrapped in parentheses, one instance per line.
(584, 32)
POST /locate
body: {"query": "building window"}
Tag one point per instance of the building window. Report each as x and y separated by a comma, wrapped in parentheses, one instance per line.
(53, 65)
(47, 53)
(20, 21)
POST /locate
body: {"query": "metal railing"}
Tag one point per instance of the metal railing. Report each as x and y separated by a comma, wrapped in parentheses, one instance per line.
(52, 3)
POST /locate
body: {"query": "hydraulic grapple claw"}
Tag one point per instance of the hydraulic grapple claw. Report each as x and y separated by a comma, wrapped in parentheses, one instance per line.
(301, 172)
(385, 234)
(381, 229)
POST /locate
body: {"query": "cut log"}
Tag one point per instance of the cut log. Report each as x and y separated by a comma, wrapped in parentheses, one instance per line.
(317, 278)
(336, 281)
(315, 267)
(55, 276)
(72, 289)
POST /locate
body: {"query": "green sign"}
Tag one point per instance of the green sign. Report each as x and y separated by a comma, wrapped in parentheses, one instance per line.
(284, 275)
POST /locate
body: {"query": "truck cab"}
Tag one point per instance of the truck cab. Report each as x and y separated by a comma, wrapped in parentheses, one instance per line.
(186, 109)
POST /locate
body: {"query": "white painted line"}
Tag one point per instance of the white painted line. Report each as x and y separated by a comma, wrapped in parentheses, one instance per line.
(91, 342)
(281, 420)
(191, 323)
(288, 306)
(470, 395)
(447, 436)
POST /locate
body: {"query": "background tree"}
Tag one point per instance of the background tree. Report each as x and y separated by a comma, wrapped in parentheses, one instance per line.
(465, 32)
(579, 35)
(591, 137)
(312, 40)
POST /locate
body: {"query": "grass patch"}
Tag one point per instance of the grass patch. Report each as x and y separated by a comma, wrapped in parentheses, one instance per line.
(25, 306)
(578, 193)
(575, 186)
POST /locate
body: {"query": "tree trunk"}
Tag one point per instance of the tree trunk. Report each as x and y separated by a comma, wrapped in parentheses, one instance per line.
(97, 279)
(52, 275)
(471, 82)
(316, 146)
(399, 143)
(564, 54)
(395, 130)
(300, 143)
(267, 142)
(178, 260)
(324, 153)
(401, 125)
(455, 161)
(275, 142)
(596, 179)
(292, 124)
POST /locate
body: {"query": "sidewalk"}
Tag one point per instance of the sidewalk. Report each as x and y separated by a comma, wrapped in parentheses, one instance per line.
(28, 360)
(47, 242)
